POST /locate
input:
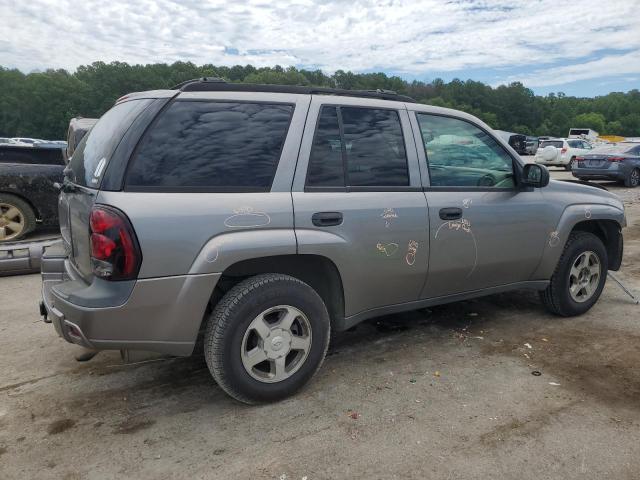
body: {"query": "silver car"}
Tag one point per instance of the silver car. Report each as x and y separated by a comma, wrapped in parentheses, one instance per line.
(620, 162)
(266, 217)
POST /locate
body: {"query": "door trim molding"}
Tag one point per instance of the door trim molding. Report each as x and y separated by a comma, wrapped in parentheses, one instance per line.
(350, 321)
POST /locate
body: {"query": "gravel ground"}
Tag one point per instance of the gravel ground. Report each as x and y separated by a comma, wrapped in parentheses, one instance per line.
(440, 393)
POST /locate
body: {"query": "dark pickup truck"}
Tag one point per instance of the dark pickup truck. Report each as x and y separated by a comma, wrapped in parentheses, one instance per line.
(28, 197)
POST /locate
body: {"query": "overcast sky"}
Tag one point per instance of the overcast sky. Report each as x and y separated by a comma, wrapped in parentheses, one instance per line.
(583, 48)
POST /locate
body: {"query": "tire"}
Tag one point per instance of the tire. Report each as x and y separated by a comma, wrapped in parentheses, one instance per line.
(17, 218)
(557, 297)
(633, 179)
(569, 166)
(230, 336)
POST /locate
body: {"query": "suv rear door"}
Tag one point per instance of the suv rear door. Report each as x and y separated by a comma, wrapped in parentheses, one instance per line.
(358, 200)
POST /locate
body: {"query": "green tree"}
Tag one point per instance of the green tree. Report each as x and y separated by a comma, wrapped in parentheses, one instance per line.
(40, 104)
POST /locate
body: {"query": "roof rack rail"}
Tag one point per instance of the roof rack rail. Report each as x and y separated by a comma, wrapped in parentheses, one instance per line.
(212, 84)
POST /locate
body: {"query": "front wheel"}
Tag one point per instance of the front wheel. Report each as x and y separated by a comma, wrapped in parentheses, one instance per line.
(266, 338)
(579, 278)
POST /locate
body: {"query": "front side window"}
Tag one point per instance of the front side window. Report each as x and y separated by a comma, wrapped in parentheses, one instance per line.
(209, 146)
(358, 147)
(460, 154)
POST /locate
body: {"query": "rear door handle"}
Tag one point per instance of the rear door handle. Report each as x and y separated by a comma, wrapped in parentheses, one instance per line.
(452, 213)
(326, 219)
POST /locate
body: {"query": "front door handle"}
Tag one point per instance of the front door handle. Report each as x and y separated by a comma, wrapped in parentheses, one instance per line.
(326, 219)
(452, 213)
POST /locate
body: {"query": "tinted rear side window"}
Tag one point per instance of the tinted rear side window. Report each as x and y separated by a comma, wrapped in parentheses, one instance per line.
(375, 147)
(326, 168)
(91, 156)
(208, 146)
(371, 146)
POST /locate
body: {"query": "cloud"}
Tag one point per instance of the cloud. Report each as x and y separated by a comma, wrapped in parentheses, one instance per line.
(612, 65)
(405, 36)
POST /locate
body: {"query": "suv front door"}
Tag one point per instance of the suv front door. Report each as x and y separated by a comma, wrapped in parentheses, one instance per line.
(358, 200)
(485, 231)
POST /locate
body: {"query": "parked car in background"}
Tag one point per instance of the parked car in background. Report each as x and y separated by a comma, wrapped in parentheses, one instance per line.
(532, 145)
(5, 140)
(78, 128)
(27, 141)
(267, 216)
(517, 141)
(619, 162)
(561, 152)
(585, 133)
(28, 197)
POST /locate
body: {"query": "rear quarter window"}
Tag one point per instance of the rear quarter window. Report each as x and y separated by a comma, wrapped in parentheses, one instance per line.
(91, 156)
(211, 146)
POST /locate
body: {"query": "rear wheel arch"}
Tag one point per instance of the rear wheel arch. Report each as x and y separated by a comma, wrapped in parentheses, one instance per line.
(317, 271)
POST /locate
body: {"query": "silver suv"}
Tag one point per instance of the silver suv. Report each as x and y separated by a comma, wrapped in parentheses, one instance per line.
(265, 217)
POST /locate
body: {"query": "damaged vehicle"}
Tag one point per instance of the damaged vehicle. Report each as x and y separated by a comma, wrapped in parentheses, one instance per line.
(261, 218)
(28, 194)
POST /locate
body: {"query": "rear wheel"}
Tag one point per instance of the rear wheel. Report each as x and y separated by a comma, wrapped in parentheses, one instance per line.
(570, 166)
(633, 179)
(266, 338)
(579, 278)
(17, 218)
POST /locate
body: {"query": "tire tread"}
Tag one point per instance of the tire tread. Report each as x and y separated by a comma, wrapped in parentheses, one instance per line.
(220, 319)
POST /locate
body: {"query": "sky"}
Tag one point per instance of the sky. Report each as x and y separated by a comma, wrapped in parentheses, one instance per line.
(585, 48)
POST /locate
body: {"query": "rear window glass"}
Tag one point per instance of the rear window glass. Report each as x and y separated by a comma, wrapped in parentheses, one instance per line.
(375, 147)
(370, 149)
(547, 143)
(31, 155)
(90, 157)
(223, 146)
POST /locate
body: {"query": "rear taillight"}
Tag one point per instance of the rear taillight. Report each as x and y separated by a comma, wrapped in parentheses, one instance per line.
(564, 150)
(615, 159)
(115, 253)
(579, 159)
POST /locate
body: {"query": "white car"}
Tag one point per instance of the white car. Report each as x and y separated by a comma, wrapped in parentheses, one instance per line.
(561, 152)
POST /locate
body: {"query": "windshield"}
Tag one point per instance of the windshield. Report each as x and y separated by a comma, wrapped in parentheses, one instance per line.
(91, 156)
(552, 143)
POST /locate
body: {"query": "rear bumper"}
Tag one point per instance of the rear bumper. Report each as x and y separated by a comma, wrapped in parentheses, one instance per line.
(598, 173)
(157, 314)
(17, 258)
(553, 163)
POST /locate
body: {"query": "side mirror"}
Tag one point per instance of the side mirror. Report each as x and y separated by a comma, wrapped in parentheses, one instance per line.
(534, 175)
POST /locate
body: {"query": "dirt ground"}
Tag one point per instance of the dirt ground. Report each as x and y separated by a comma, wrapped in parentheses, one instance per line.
(445, 393)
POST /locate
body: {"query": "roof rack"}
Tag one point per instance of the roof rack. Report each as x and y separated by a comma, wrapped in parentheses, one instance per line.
(212, 84)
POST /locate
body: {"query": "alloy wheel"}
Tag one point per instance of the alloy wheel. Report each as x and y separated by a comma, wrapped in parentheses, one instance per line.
(584, 277)
(11, 221)
(635, 177)
(276, 344)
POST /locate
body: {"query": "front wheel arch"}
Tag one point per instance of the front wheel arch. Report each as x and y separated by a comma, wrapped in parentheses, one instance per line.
(610, 233)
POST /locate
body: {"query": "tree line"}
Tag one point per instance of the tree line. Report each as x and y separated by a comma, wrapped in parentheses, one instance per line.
(40, 104)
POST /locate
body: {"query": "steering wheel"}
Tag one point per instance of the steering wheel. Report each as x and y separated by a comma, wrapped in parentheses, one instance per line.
(486, 181)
